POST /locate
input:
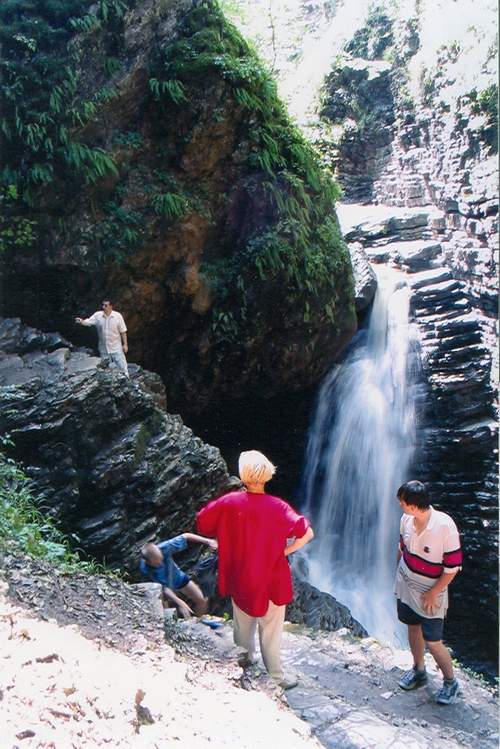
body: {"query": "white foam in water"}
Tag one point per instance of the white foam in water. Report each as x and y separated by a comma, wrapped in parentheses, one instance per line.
(359, 452)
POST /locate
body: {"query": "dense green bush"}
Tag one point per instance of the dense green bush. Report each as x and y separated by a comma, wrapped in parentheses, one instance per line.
(39, 105)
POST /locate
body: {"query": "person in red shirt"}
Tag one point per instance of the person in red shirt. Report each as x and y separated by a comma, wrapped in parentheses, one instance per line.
(252, 529)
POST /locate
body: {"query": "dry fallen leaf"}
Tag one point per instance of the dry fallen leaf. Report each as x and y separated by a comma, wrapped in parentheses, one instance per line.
(28, 734)
(140, 694)
(48, 658)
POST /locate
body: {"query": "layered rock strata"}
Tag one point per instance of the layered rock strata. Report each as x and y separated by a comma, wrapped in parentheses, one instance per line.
(110, 464)
(458, 416)
(358, 97)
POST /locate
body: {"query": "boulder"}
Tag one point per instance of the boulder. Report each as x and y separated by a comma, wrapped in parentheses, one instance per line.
(320, 610)
(365, 280)
(189, 232)
(429, 277)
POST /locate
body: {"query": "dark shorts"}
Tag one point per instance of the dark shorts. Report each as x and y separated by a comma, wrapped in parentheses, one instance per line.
(432, 629)
(182, 581)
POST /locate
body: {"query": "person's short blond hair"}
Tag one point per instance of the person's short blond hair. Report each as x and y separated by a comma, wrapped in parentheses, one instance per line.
(255, 468)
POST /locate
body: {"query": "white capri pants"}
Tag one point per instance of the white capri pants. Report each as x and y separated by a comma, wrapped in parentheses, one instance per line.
(270, 630)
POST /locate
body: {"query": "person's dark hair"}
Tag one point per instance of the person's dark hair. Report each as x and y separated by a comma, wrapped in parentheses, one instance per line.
(107, 301)
(414, 493)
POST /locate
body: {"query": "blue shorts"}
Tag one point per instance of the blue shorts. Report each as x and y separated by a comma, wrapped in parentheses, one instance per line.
(432, 629)
(182, 581)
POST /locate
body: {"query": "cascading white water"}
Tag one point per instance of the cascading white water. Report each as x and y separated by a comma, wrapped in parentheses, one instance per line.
(359, 452)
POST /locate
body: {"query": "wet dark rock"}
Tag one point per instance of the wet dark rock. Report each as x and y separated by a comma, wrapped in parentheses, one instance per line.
(460, 448)
(16, 338)
(310, 606)
(442, 171)
(365, 280)
(111, 465)
(358, 96)
(452, 285)
(378, 254)
(399, 225)
(320, 610)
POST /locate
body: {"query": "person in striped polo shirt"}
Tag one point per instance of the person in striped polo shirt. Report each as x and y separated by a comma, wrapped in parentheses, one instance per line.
(429, 558)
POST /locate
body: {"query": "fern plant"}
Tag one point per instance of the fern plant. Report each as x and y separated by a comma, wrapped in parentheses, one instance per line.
(170, 205)
(301, 250)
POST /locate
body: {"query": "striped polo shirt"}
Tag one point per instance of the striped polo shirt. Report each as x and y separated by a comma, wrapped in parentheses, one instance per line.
(424, 558)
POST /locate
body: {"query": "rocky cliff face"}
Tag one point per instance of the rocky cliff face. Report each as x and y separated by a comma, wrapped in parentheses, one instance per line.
(430, 181)
(358, 98)
(180, 188)
(112, 466)
(458, 429)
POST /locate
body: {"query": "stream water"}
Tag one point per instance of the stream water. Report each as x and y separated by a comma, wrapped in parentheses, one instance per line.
(360, 450)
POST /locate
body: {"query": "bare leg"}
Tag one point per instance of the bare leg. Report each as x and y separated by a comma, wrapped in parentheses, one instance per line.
(194, 593)
(417, 645)
(440, 653)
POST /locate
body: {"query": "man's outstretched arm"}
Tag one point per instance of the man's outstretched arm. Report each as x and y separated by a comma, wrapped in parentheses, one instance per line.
(194, 538)
(86, 320)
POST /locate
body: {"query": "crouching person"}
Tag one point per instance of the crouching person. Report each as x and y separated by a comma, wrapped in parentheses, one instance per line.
(428, 560)
(158, 566)
(252, 528)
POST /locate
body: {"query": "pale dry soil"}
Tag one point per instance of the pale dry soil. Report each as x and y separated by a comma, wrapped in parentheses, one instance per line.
(88, 661)
(68, 686)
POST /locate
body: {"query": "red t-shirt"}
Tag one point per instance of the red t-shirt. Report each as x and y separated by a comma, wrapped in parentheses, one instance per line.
(252, 530)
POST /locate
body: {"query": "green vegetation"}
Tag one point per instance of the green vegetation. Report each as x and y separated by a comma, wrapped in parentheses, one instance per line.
(170, 205)
(486, 102)
(15, 231)
(375, 37)
(121, 231)
(132, 140)
(24, 527)
(40, 109)
(297, 244)
(360, 102)
(427, 85)
(60, 155)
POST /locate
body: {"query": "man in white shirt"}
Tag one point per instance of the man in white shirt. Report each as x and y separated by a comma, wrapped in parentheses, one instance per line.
(111, 334)
(429, 558)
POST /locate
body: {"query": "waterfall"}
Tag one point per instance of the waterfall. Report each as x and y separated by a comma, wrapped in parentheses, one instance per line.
(359, 452)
